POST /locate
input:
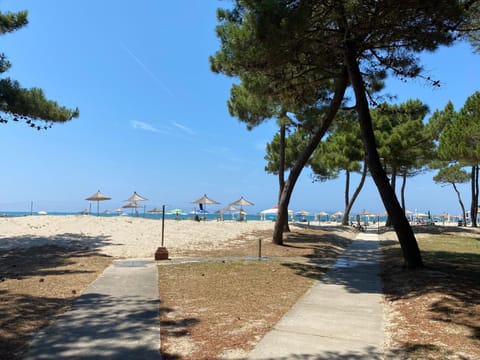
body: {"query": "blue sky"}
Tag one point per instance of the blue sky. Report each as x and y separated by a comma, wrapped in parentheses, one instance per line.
(154, 117)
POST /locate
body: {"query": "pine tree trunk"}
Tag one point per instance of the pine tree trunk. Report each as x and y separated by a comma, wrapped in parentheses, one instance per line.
(461, 204)
(393, 183)
(402, 192)
(347, 201)
(357, 191)
(281, 171)
(406, 237)
(282, 217)
(474, 207)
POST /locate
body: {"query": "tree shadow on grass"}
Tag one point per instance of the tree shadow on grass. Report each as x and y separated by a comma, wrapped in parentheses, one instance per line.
(31, 313)
(42, 260)
(178, 328)
(448, 284)
(323, 243)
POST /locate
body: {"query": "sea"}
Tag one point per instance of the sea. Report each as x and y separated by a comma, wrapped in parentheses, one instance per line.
(182, 216)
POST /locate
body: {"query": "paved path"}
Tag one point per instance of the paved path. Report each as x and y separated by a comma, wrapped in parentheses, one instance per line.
(340, 317)
(117, 317)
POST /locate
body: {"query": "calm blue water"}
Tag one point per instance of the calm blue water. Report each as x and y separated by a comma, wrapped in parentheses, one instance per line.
(148, 215)
(140, 214)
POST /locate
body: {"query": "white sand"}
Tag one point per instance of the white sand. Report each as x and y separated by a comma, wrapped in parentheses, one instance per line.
(122, 237)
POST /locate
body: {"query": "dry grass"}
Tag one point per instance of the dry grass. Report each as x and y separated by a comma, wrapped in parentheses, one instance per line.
(37, 283)
(209, 310)
(220, 309)
(434, 313)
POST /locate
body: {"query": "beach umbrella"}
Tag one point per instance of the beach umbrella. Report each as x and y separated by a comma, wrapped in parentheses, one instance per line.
(337, 214)
(242, 202)
(203, 201)
(131, 205)
(118, 210)
(320, 214)
(302, 213)
(155, 211)
(272, 211)
(98, 196)
(229, 208)
(176, 211)
(135, 197)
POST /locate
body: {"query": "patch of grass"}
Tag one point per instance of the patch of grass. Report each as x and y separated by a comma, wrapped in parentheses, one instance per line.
(230, 303)
(221, 309)
(436, 310)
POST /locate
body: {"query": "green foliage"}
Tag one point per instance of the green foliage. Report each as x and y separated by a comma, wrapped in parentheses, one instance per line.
(31, 103)
(460, 139)
(471, 29)
(452, 175)
(294, 145)
(12, 21)
(17, 103)
(297, 52)
(341, 150)
(250, 108)
(440, 119)
(404, 142)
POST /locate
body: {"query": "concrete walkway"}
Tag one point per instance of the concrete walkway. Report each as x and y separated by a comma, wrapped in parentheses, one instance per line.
(117, 317)
(340, 317)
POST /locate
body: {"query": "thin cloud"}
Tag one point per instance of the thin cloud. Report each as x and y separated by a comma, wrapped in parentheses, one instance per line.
(183, 128)
(147, 127)
(145, 68)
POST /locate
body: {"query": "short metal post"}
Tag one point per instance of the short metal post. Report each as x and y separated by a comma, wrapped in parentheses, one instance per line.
(163, 222)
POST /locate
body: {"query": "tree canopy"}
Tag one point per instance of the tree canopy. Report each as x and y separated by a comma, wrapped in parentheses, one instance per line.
(17, 103)
(304, 54)
(459, 142)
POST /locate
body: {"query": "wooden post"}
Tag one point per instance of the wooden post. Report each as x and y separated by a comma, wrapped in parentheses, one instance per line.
(163, 222)
(259, 248)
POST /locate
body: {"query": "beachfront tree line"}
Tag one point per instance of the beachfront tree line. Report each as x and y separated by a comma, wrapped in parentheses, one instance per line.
(304, 59)
(21, 104)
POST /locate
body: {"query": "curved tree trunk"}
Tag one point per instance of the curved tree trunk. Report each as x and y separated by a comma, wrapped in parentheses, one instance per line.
(356, 193)
(406, 237)
(474, 203)
(402, 191)
(393, 183)
(476, 194)
(281, 171)
(347, 200)
(282, 218)
(461, 204)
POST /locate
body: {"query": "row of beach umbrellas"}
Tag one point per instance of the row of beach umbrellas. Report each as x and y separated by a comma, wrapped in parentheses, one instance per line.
(132, 202)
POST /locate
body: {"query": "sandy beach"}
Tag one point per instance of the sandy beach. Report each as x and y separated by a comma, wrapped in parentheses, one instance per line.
(122, 237)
